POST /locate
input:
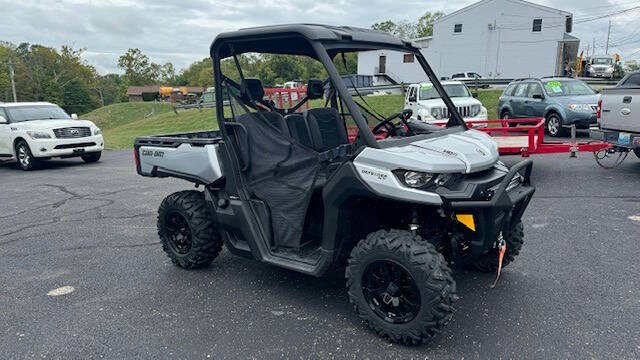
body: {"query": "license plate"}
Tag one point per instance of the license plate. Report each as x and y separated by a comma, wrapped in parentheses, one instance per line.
(78, 151)
(624, 138)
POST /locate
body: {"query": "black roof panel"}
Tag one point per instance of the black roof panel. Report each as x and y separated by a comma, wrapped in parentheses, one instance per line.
(270, 38)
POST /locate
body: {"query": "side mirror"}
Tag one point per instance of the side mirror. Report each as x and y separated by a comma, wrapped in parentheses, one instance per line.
(538, 96)
(3, 120)
(74, 116)
(475, 94)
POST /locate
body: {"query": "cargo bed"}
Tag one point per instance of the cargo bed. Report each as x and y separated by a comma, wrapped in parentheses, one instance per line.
(189, 156)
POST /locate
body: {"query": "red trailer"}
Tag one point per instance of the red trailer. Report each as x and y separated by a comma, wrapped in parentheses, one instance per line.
(522, 136)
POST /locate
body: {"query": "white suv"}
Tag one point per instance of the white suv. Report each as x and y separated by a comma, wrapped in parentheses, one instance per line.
(428, 107)
(30, 132)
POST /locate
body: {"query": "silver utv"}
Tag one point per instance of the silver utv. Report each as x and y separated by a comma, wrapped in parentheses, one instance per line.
(396, 204)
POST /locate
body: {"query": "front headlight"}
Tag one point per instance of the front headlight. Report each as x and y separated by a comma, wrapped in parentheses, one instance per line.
(475, 110)
(580, 107)
(416, 179)
(437, 113)
(97, 131)
(38, 135)
(609, 70)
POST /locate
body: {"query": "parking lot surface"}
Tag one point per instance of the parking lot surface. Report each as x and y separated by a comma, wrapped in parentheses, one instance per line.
(574, 292)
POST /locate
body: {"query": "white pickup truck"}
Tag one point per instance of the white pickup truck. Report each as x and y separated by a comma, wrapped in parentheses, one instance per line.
(428, 107)
(32, 132)
(618, 114)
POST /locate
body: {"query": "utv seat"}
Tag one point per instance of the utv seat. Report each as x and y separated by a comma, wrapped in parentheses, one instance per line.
(276, 120)
(326, 127)
(299, 129)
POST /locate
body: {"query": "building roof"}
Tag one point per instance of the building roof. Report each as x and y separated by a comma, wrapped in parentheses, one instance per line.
(147, 89)
(522, 2)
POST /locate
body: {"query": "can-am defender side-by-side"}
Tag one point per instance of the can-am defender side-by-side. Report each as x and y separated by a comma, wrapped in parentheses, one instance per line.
(288, 188)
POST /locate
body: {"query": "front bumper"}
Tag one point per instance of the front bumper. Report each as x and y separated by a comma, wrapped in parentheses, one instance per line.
(581, 119)
(499, 214)
(46, 148)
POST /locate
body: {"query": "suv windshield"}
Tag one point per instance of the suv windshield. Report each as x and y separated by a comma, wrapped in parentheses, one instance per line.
(428, 92)
(37, 112)
(602, 61)
(567, 88)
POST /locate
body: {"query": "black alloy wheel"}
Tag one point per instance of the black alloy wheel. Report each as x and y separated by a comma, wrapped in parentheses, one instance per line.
(391, 291)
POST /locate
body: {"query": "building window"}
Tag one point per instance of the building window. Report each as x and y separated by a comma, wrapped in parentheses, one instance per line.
(408, 58)
(457, 28)
(537, 25)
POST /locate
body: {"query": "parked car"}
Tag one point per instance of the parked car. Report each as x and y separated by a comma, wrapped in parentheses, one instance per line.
(428, 106)
(561, 101)
(619, 114)
(465, 76)
(32, 132)
(601, 66)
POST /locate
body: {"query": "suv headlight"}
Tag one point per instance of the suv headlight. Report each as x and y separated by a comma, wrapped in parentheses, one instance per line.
(609, 70)
(475, 110)
(97, 131)
(437, 113)
(580, 107)
(38, 135)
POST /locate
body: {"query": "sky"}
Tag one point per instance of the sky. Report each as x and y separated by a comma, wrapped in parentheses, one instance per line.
(180, 32)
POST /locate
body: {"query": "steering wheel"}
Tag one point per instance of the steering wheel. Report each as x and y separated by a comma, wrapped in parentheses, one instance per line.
(388, 124)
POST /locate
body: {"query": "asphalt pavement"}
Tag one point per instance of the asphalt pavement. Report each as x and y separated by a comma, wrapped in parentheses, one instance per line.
(89, 231)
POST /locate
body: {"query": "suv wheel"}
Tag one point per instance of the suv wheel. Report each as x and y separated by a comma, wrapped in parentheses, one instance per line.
(554, 125)
(91, 157)
(400, 285)
(506, 115)
(187, 232)
(24, 157)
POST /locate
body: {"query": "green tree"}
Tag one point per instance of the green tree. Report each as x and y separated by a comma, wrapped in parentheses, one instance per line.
(137, 67)
(425, 23)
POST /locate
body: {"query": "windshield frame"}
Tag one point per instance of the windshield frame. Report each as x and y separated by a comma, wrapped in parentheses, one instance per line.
(552, 94)
(608, 63)
(12, 118)
(325, 51)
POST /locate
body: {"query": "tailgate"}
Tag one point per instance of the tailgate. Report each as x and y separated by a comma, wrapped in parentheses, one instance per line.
(621, 109)
(195, 160)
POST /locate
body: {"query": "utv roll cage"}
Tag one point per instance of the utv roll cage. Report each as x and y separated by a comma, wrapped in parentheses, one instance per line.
(323, 43)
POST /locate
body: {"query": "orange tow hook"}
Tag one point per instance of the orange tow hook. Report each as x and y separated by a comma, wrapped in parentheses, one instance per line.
(502, 249)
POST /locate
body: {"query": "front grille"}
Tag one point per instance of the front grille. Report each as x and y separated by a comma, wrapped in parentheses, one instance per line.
(72, 132)
(79, 145)
(464, 111)
(594, 108)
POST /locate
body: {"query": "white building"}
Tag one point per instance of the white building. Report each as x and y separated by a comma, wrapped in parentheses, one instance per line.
(494, 38)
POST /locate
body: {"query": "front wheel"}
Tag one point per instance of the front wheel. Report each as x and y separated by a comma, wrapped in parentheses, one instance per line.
(400, 285)
(506, 115)
(187, 232)
(554, 125)
(24, 157)
(637, 152)
(91, 157)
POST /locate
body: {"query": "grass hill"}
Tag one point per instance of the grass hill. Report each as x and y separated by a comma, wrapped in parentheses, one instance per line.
(122, 123)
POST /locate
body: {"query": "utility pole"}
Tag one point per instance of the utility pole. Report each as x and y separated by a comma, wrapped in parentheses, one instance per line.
(606, 50)
(13, 81)
(594, 47)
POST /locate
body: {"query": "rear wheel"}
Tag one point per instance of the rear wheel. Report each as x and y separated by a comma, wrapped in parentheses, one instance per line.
(489, 261)
(91, 157)
(401, 286)
(187, 232)
(554, 125)
(24, 157)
